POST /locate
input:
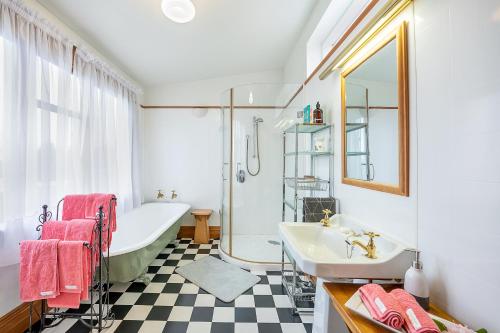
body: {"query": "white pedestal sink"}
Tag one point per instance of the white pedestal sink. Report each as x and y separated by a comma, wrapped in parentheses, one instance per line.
(323, 252)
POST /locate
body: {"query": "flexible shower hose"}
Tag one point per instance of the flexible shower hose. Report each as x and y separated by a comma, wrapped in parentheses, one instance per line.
(258, 155)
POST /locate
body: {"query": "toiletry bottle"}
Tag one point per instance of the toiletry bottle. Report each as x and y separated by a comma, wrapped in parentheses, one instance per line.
(416, 283)
(307, 114)
(318, 115)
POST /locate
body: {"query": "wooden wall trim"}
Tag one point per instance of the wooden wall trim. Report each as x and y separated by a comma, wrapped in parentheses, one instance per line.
(17, 320)
(342, 38)
(187, 231)
(247, 107)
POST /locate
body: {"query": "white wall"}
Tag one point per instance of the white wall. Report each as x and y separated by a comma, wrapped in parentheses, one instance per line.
(183, 152)
(458, 49)
(455, 129)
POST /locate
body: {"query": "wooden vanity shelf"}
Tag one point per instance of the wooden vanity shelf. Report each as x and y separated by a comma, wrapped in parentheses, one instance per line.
(340, 293)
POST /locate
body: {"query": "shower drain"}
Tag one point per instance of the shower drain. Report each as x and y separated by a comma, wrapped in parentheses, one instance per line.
(273, 242)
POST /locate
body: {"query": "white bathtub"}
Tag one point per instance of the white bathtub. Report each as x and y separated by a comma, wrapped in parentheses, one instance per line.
(140, 236)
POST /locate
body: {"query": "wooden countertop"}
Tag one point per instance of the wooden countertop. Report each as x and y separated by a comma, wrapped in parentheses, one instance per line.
(340, 293)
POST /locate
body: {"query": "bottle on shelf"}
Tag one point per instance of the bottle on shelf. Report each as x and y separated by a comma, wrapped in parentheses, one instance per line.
(317, 115)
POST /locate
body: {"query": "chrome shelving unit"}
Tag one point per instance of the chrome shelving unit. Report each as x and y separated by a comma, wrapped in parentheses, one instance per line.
(298, 183)
(300, 289)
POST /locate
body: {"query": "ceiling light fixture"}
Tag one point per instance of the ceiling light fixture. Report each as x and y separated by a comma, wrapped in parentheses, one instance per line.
(179, 11)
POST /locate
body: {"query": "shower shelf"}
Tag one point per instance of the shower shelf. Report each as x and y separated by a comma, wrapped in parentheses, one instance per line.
(307, 185)
(306, 128)
(309, 153)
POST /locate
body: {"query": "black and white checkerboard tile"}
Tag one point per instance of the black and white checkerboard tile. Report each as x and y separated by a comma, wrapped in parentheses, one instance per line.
(172, 304)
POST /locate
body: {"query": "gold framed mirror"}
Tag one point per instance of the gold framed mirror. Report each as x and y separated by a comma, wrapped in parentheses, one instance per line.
(375, 124)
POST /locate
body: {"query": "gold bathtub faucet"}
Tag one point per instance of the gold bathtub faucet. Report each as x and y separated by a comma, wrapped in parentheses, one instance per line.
(160, 195)
(370, 248)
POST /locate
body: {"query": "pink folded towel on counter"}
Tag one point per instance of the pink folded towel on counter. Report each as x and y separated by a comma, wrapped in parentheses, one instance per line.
(71, 279)
(54, 230)
(417, 320)
(38, 273)
(83, 230)
(382, 306)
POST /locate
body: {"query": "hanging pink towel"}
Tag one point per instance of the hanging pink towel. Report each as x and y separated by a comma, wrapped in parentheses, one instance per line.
(83, 230)
(74, 207)
(70, 269)
(382, 306)
(96, 200)
(417, 320)
(38, 275)
(86, 206)
(54, 230)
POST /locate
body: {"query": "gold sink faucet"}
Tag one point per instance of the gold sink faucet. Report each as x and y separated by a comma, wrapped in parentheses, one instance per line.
(370, 248)
(325, 222)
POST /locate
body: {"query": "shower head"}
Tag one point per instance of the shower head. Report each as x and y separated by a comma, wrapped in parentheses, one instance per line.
(257, 120)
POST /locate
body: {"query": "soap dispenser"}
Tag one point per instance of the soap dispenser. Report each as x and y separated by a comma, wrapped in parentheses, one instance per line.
(416, 283)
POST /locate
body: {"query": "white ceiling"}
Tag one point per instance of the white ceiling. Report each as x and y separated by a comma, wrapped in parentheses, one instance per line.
(227, 37)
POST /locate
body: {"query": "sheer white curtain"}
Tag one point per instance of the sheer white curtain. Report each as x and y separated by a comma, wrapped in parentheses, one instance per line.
(66, 126)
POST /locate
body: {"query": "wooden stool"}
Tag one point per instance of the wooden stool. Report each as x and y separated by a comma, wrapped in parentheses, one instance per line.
(201, 233)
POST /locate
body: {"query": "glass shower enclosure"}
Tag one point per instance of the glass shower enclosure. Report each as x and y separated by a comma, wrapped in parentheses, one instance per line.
(253, 118)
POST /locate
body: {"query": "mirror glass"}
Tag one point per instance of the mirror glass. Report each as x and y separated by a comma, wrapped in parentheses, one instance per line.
(371, 107)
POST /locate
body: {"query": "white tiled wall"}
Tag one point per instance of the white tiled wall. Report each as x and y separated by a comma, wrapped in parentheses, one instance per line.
(454, 53)
(458, 49)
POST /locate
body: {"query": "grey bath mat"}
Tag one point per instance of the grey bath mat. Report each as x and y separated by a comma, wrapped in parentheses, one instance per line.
(223, 280)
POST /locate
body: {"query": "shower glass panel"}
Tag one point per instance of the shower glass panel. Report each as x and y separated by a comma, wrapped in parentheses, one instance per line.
(253, 118)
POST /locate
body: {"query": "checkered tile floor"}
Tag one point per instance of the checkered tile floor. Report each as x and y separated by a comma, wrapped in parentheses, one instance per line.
(172, 304)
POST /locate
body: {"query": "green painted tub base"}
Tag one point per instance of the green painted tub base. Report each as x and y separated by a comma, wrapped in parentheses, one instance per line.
(133, 265)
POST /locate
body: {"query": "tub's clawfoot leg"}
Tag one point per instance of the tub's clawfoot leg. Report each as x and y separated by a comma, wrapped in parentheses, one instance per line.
(144, 278)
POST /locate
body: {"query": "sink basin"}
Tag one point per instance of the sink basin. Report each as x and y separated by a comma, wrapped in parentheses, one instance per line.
(323, 251)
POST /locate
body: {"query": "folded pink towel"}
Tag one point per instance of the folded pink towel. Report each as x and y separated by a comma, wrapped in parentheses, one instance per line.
(382, 306)
(70, 268)
(38, 276)
(417, 320)
(54, 230)
(83, 230)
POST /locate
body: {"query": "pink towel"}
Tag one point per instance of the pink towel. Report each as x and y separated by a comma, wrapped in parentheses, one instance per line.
(83, 230)
(38, 277)
(417, 320)
(382, 306)
(86, 206)
(54, 230)
(70, 268)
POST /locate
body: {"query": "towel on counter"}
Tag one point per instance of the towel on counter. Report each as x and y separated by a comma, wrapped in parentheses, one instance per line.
(54, 230)
(382, 305)
(417, 320)
(38, 273)
(71, 279)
